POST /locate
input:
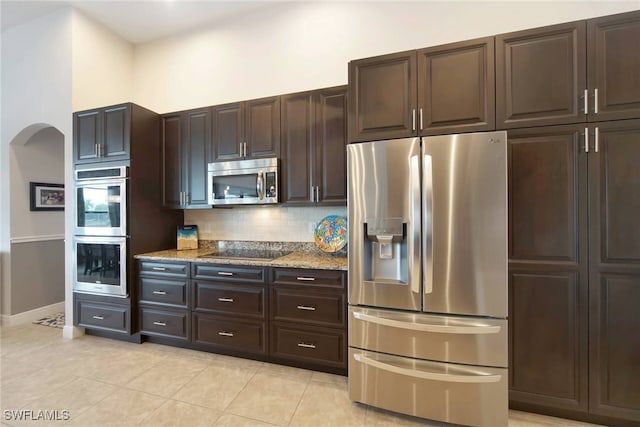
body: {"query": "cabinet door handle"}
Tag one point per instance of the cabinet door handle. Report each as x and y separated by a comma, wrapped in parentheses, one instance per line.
(306, 279)
(421, 120)
(160, 268)
(160, 292)
(95, 149)
(225, 334)
(312, 194)
(595, 100)
(317, 193)
(586, 140)
(586, 101)
(305, 345)
(413, 119)
(245, 149)
(221, 299)
(160, 323)
(597, 138)
(306, 307)
(98, 317)
(225, 273)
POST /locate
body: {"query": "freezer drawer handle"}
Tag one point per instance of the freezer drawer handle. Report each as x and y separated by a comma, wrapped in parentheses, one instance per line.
(434, 376)
(443, 329)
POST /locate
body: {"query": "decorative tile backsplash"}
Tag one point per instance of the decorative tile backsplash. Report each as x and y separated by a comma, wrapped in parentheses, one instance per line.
(258, 223)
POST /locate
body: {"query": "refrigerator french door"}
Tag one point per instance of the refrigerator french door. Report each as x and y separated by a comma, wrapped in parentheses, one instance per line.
(428, 276)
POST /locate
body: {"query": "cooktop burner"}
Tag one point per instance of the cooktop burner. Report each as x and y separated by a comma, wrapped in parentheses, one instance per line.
(246, 254)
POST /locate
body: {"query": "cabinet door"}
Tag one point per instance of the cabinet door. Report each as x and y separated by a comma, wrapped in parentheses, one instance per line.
(330, 162)
(614, 66)
(614, 271)
(541, 76)
(117, 131)
(548, 289)
(382, 94)
(86, 136)
(456, 87)
(198, 141)
(262, 129)
(228, 131)
(297, 142)
(171, 160)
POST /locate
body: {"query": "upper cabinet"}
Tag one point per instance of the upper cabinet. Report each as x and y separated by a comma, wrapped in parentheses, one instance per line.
(438, 90)
(569, 73)
(102, 134)
(314, 136)
(248, 129)
(186, 150)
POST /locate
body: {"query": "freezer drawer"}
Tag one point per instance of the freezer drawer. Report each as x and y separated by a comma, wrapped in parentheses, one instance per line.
(460, 394)
(456, 339)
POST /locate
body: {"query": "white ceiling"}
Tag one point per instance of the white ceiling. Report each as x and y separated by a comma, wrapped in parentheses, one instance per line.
(136, 21)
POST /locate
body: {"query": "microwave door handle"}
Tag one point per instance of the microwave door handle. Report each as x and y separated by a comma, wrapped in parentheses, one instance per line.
(260, 185)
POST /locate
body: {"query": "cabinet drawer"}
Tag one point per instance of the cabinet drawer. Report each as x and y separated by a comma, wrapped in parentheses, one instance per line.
(164, 323)
(324, 278)
(228, 273)
(161, 291)
(322, 346)
(228, 298)
(298, 305)
(229, 334)
(163, 269)
(103, 316)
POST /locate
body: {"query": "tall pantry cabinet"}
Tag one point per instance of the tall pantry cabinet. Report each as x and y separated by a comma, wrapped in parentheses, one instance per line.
(570, 96)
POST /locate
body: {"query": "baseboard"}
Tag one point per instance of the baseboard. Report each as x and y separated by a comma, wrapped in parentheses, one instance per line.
(31, 315)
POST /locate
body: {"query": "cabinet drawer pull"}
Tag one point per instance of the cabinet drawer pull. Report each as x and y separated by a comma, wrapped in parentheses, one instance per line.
(159, 268)
(225, 334)
(225, 273)
(221, 299)
(306, 307)
(98, 317)
(160, 292)
(305, 345)
(306, 279)
(160, 323)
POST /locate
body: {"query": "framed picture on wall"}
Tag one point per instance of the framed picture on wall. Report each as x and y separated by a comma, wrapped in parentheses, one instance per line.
(46, 197)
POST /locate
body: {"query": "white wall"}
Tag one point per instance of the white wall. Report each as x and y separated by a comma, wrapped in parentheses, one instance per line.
(40, 159)
(102, 65)
(305, 45)
(36, 93)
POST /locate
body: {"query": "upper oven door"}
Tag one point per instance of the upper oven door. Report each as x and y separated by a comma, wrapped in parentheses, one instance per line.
(101, 207)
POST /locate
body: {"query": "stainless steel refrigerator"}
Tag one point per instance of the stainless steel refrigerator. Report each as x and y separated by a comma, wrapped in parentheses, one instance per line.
(428, 277)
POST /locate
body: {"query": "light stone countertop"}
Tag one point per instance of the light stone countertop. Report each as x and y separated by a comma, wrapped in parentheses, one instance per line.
(296, 259)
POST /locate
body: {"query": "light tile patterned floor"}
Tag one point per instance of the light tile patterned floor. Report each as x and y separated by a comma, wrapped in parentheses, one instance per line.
(104, 382)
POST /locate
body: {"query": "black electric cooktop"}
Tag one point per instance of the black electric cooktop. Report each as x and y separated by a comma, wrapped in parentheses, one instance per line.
(246, 254)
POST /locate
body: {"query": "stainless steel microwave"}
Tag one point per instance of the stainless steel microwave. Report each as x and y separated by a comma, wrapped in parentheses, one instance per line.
(243, 182)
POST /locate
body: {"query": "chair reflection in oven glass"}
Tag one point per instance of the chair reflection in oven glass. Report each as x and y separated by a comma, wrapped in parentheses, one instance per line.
(110, 260)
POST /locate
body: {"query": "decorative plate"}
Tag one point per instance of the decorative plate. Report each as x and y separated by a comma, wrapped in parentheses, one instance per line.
(331, 233)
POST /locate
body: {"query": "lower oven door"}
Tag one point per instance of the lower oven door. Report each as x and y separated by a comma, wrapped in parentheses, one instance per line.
(459, 394)
(100, 265)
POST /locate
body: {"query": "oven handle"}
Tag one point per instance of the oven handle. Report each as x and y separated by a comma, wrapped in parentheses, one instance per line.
(421, 327)
(260, 185)
(433, 376)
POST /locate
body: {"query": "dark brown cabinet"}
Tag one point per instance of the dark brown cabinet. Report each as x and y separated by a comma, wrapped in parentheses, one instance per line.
(437, 90)
(104, 134)
(102, 314)
(569, 73)
(247, 129)
(308, 318)
(574, 271)
(186, 148)
(313, 163)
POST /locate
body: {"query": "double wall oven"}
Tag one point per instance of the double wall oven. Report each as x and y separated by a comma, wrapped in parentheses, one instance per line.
(100, 241)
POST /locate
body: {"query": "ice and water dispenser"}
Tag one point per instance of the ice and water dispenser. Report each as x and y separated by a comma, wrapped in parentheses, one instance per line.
(385, 251)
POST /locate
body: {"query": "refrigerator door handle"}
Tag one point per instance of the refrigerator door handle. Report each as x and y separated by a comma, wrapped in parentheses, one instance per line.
(427, 223)
(427, 375)
(422, 327)
(414, 245)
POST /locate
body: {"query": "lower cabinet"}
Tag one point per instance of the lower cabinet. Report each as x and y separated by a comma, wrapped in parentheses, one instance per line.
(100, 313)
(291, 316)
